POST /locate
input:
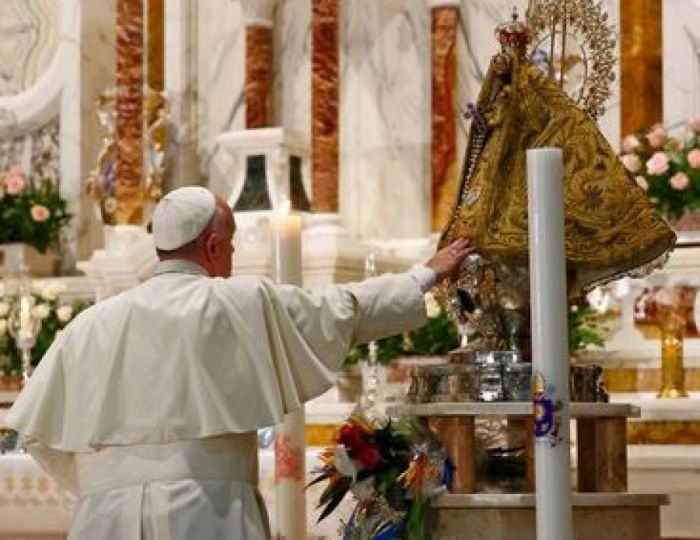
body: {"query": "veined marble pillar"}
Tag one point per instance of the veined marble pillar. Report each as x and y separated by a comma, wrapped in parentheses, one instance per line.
(444, 27)
(641, 64)
(129, 158)
(324, 104)
(181, 53)
(258, 61)
(155, 42)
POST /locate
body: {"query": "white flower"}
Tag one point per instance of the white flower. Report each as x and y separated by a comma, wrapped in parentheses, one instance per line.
(52, 290)
(41, 311)
(630, 143)
(431, 306)
(3, 327)
(631, 162)
(4, 309)
(64, 313)
(343, 463)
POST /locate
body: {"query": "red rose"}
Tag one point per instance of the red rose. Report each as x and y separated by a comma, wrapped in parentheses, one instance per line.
(368, 455)
(349, 437)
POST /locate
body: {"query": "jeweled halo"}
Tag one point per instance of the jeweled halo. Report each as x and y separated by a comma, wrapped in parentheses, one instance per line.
(578, 36)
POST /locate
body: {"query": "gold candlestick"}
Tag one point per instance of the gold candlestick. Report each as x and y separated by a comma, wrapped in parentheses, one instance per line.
(672, 324)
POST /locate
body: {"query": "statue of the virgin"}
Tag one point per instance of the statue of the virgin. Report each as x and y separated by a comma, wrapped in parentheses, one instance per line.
(611, 228)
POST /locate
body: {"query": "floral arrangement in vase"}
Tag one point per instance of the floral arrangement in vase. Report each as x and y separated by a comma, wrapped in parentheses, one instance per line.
(666, 167)
(392, 470)
(31, 211)
(48, 307)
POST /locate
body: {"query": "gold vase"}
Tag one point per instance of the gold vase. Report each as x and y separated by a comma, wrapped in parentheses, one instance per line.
(672, 373)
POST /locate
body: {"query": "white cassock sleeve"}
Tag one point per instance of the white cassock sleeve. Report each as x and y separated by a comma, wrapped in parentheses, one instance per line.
(332, 321)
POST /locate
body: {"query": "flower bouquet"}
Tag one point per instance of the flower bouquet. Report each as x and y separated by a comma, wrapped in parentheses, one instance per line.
(391, 469)
(31, 212)
(667, 168)
(50, 309)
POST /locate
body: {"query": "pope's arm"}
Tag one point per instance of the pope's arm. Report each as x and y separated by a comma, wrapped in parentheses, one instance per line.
(336, 318)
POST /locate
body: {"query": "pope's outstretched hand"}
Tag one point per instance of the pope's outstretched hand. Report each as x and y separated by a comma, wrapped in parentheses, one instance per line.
(446, 262)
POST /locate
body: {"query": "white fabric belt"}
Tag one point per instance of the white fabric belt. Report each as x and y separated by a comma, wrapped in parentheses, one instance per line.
(227, 457)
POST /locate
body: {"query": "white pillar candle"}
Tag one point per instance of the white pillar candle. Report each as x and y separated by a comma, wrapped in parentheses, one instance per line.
(549, 339)
(290, 445)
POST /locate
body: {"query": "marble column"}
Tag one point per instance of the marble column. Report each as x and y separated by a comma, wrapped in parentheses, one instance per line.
(444, 29)
(258, 61)
(129, 158)
(641, 64)
(324, 104)
(155, 43)
(181, 79)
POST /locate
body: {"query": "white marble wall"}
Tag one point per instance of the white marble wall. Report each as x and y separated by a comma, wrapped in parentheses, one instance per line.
(221, 75)
(28, 39)
(681, 46)
(385, 118)
(291, 55)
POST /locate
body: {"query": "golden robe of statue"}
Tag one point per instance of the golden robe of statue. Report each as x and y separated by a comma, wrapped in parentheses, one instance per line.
(611, 227)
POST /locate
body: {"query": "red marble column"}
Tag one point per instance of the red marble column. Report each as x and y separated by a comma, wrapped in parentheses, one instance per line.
(324, 104)
(641, 64)
(258, 76)
(445, 21)
(129, 108)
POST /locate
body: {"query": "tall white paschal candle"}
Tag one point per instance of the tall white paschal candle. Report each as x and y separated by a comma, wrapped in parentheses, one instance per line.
(290, 446)
(550, 355)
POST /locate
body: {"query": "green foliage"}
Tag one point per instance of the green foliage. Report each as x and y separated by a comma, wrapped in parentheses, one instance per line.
(584, 327)
(437, 336)
(55, 320)
(33, 214)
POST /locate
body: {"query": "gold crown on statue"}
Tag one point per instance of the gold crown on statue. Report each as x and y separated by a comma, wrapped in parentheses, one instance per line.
(514, 34)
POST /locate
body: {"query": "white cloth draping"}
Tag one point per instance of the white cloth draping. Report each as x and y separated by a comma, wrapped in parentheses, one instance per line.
(202, 489)
(187, 357)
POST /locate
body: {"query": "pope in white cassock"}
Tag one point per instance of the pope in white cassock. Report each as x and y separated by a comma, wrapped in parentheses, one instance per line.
(147, 404)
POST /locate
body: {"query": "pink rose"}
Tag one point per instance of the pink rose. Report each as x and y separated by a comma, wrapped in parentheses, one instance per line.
(694, 158)
(642, 183)
(14, 182)
(631, 162)
(679, 181)
(657, 136)
(695, 124)
(630, 143)
(658, 164)
(39, 213)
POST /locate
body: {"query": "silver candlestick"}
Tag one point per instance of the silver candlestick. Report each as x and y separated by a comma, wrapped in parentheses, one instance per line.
(371, 389)
(23, 325)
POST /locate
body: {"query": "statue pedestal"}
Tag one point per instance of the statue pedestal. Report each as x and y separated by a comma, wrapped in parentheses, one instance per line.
(596, 516)
(602, 507)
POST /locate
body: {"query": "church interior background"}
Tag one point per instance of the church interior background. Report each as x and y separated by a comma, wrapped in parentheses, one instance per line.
(351, 114)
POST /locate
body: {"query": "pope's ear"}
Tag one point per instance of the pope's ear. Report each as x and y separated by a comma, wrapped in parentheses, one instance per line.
(211, 244)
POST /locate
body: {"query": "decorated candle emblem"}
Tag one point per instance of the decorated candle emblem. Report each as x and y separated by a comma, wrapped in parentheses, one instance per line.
(546, 412)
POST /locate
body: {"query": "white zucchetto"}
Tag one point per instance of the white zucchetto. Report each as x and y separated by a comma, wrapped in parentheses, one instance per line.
(181, 216)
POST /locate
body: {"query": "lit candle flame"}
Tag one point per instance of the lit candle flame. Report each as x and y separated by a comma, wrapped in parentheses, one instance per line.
(284, 207)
